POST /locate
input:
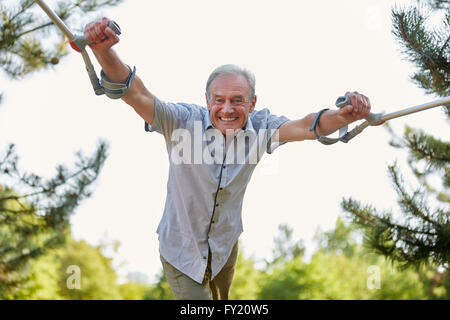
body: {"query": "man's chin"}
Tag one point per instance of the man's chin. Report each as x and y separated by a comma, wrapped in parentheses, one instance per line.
(228, 128)
(229, 131)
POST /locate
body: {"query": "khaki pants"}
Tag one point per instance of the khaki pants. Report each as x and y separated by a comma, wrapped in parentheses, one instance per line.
(184, 288)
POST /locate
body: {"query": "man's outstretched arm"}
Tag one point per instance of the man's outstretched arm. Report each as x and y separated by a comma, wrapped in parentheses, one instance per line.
(103, 39)
(330, 121)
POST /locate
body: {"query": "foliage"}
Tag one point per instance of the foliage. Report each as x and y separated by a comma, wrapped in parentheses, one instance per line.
(342, 269)
(37, 219)
(98, 278)
(247, 279)
(420, 235)
(25, 34)
(50, 276)
(339, 269)
(34, 212)
(160, 290)
(133, 291)
(43, 280)
(428, 50)
(285, 247)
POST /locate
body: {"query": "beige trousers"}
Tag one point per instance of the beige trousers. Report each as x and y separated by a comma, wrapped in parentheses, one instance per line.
(184, 288)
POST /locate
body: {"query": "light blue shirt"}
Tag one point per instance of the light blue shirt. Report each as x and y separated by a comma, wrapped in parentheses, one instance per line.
(207, 180)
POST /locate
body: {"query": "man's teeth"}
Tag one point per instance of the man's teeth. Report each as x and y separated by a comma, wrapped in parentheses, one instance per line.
(227, 119)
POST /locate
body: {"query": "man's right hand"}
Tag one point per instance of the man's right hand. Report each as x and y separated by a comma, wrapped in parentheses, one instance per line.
(100, 35)
(103, 38)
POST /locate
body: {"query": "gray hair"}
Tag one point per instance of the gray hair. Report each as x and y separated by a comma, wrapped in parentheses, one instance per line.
(235, 70)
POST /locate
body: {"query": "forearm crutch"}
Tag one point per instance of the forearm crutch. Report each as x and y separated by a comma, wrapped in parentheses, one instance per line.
(79, 43)
(376, 119)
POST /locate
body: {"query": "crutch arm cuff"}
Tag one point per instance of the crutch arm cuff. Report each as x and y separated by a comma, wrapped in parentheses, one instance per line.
(116, 90)
(316, 122)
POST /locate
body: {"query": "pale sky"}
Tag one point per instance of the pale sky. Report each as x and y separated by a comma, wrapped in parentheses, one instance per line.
(304, 55)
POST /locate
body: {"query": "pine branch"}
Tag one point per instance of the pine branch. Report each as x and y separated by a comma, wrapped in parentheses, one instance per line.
(25, 5)
(401, 243)
(421, 48)
(36, 216)
(423, 235)
(444, 46)
(21, 47)
(34, 29)
(407, 202)
(38, 221)
(438, 4)
(367, 217)
(423, 146)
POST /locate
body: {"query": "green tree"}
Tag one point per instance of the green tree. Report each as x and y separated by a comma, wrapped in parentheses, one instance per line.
(133, 291)
(24, 34)
(351, 267)
(43, 280)
(98, 279)
(285, 281)
(29, 41)
(341, 240)
(160, 290)
(341, 269)
(421, 234)
(37, 219)
(427, 49)
(283, 275)
(247, 279)
(34, 215)
(52, 275)
(285, 248)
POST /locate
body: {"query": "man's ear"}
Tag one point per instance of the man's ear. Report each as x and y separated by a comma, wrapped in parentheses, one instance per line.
(252, 106)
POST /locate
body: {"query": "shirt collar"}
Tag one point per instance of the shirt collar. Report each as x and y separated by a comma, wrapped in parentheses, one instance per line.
(207, 121)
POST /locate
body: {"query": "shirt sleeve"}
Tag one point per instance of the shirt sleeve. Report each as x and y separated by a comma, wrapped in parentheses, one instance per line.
(263, 119)
(168, 117)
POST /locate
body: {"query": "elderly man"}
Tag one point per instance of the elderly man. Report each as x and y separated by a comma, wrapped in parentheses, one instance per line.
(201, 223)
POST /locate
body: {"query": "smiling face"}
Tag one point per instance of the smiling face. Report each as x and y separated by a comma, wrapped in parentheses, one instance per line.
(229, 103)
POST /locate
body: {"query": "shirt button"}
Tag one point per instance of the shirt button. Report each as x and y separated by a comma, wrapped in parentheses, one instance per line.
(217, 204)
(220, 188)
(204, 258)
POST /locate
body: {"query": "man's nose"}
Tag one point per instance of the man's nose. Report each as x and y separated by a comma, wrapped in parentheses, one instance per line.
(227, 107)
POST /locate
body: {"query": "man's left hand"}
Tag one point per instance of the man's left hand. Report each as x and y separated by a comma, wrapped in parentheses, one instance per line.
(359, 108)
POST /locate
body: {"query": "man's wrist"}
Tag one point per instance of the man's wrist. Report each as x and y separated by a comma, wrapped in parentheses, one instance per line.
(112, 66)
(105, 54)
(329, 122)
(335, 119)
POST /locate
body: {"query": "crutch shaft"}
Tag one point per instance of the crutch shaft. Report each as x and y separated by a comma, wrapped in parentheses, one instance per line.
(77, 42)
(415, 109)
(56, 20)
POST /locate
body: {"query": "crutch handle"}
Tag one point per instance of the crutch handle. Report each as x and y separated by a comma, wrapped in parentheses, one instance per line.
(374, 119)
(115, 27)
(342, 101)
(80, 42)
